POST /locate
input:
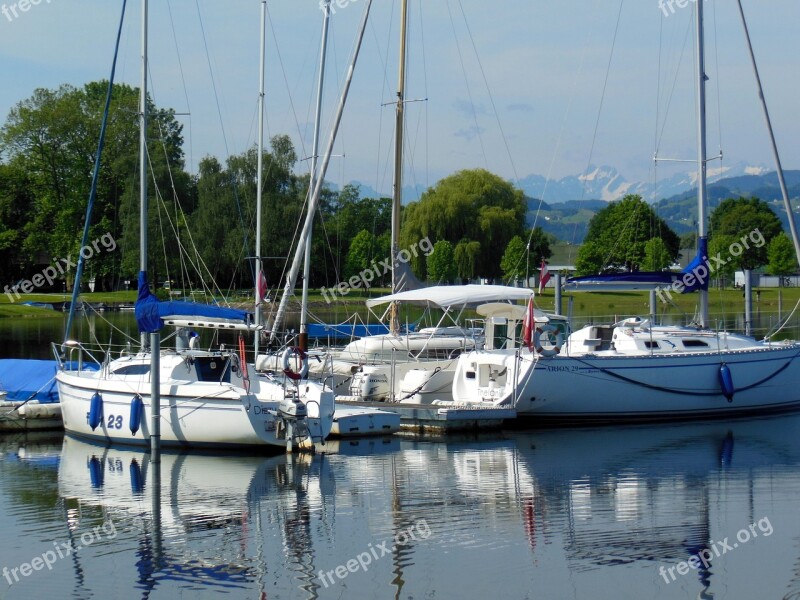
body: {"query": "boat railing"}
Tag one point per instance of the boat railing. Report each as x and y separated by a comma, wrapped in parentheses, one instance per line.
(73, 355)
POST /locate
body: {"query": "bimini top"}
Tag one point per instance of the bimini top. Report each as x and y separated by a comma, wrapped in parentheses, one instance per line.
(455, 295)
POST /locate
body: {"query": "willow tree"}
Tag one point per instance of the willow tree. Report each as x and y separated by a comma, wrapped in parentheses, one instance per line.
(469, 207)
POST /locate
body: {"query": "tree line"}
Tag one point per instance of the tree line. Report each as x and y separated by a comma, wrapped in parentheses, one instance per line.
(202, 225)
(629, 236)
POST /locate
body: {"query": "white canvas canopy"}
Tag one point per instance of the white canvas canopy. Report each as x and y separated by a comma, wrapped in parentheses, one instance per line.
(455, 295)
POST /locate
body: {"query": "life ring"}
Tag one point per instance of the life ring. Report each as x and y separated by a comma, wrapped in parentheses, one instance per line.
(537, 337)
(287, 368)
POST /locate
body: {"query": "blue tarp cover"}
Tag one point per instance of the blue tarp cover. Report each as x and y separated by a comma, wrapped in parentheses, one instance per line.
(22, 378)
(345, 330)
(150, 310)
(646, 279)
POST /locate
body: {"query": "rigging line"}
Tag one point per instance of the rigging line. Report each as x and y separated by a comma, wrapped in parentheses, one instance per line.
(602, 97)
(160, 198)
(658, 105)
(182, 250)
(385, 89)
(175, 198)
(221, 121)
(469, 92)
(95, 175)
(183, 80)
(488, 91)
(425, 110)
(674, 85)
(286, 83)
(716, 83)
(557, 147)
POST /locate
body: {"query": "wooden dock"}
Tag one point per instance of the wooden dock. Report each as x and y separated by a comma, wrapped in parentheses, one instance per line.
(441, 419)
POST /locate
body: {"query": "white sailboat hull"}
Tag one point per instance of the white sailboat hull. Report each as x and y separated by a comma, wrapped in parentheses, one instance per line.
(199, 414)
(633, 387)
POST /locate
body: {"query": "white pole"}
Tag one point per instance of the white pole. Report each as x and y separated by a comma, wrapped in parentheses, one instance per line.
(291, 278)
(702, 233)
(312, 179)
(259, 184)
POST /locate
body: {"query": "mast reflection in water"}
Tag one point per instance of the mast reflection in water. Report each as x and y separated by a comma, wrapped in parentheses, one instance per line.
(578, 513)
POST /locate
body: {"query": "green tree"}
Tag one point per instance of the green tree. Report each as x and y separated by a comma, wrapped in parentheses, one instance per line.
(618, 234)
(469, 206)
(782, 261)
(782, 257)
(466, 255)
(590, 260)
(513, 261)
(440, 263)
(746, 223)
(52, 138)
(361, 253)
(16, 201)
(656, 255)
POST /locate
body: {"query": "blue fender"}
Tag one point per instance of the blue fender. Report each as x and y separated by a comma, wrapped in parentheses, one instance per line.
(96, 411)
(137, 411)
(137, 479)
(726, 382)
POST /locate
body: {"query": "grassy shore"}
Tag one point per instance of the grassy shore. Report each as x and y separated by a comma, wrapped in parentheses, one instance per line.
(727, 302)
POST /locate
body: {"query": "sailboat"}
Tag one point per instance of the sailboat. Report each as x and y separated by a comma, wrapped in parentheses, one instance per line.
(415, 367)
(184, 396)
(635, 369)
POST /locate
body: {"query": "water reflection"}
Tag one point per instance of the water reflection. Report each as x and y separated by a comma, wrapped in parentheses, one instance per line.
(543, 514)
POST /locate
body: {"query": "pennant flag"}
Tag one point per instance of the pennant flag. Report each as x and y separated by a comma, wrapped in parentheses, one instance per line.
(544, 277)
(261, 288)
(528, 325)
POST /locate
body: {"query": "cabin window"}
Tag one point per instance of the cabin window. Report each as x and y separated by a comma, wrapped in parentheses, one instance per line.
(651, 345)
(500, 334)
(470, 374)
(694, 344)
(213, 368)
(133, 370)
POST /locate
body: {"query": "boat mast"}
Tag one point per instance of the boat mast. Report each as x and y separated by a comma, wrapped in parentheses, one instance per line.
(778, 166)
(143, 170)
(260, 168)
(397, 195)
(312, 179)
(702, 233)
(291, 278)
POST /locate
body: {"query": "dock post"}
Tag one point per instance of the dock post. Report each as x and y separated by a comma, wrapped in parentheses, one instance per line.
(155, 397)
(558, 293)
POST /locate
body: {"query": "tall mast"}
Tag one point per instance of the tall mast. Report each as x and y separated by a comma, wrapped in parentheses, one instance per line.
(143, 169)
(291, 278)
(312, 180)
(397, 196)
(776, 155)
(702, 233)
(259, 184)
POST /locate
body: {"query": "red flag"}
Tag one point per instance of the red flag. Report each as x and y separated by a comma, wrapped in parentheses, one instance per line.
(544, 277)
(261, 288)
(528, 325)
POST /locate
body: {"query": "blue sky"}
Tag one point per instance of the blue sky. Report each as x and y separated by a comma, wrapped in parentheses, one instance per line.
(544, 62)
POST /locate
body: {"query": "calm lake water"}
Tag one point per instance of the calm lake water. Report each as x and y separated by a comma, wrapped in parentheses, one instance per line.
(589, 513)
(692, 510)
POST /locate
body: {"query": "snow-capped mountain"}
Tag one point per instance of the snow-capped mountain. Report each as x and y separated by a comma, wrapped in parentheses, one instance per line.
(608, 184)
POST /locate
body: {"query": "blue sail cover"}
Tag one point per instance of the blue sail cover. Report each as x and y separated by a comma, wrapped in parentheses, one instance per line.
(699, 268)
(694, 277)
(150, 310)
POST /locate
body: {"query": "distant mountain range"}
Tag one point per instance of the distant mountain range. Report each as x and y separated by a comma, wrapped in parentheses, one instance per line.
(569, 220)
(571, 202)
(606, 183)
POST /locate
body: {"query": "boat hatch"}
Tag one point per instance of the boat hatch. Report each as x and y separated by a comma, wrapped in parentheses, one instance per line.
(213, 368)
